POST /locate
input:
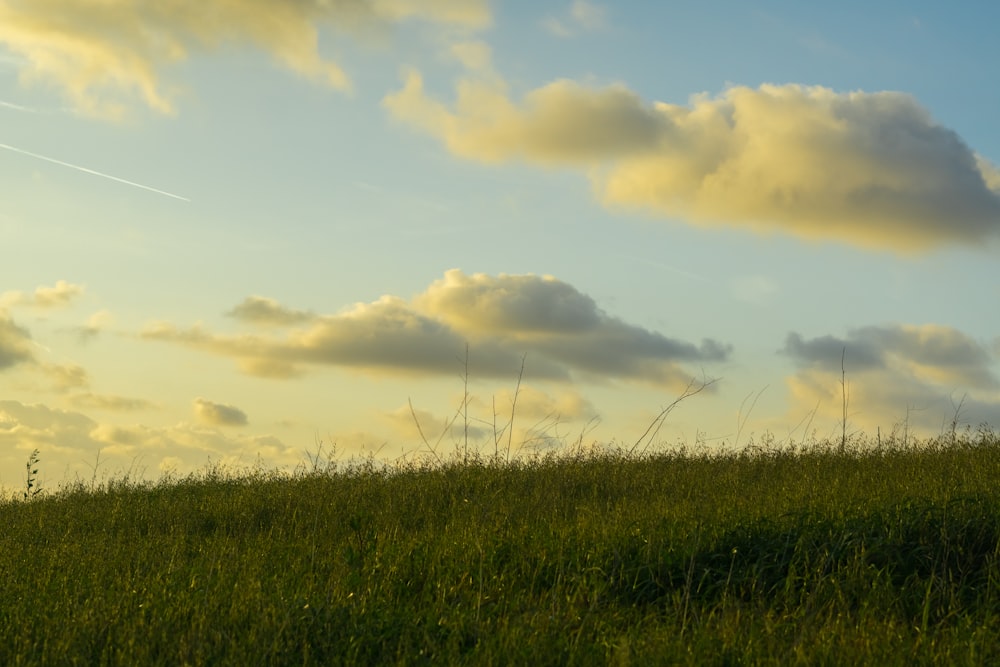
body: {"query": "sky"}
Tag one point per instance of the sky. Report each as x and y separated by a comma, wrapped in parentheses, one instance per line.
(234, 232)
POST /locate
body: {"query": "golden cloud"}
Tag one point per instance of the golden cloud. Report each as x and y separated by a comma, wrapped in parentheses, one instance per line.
(501, 318)
(218, 414)
(77, 439)
(871, 169)
(894, 373)
(102, 54)
(61, 294)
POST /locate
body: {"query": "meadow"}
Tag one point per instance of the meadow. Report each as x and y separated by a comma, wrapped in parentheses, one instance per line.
(862, 551)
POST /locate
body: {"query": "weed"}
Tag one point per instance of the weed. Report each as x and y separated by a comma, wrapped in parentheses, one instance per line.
(31, 485)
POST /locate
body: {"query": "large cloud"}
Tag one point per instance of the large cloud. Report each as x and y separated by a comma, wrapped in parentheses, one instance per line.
(918, 373)
(562, 331)
(102, 53)
(872, 169)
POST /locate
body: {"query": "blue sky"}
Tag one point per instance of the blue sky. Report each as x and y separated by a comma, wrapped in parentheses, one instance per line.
(227, 233)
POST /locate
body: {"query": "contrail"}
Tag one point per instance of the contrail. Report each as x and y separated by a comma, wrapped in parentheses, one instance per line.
(17, 107)
(91, 171)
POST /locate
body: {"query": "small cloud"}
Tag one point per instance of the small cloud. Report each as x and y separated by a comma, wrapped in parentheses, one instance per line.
(473, 56)
(66, 377)
(267, 312)
(581, 16)
(118, 435)
(61, 294)
(111, 403)
(217, 414)
(96, 323)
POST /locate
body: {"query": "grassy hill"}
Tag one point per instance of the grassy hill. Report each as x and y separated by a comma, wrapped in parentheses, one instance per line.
(821, 555)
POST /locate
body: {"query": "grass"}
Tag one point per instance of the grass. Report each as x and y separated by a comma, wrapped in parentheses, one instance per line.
(865, 554)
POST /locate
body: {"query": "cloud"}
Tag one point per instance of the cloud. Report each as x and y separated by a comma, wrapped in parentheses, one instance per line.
(871, 169)
(540, 419)
(217, 414)
(441, 431)
(475, 56)
(895, 371)
(15, 344)
(581, 16)
(933, 352)
(267, 312)
(96, 323)
(535, 404)
(65, 377)
(30, 427)
(102, 55)
(827, 352)
(562, 123)
(501, 318)
(89, 401)
(76, 439)
(60, 295)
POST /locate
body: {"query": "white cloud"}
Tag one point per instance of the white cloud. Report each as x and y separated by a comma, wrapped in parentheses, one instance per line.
(581, 16)
(105, 54)
(502, 318)
(871, 169)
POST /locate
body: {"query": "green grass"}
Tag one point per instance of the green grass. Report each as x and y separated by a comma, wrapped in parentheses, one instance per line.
(866, 555)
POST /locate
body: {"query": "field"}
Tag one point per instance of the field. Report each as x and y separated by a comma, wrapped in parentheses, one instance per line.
(870, 553)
